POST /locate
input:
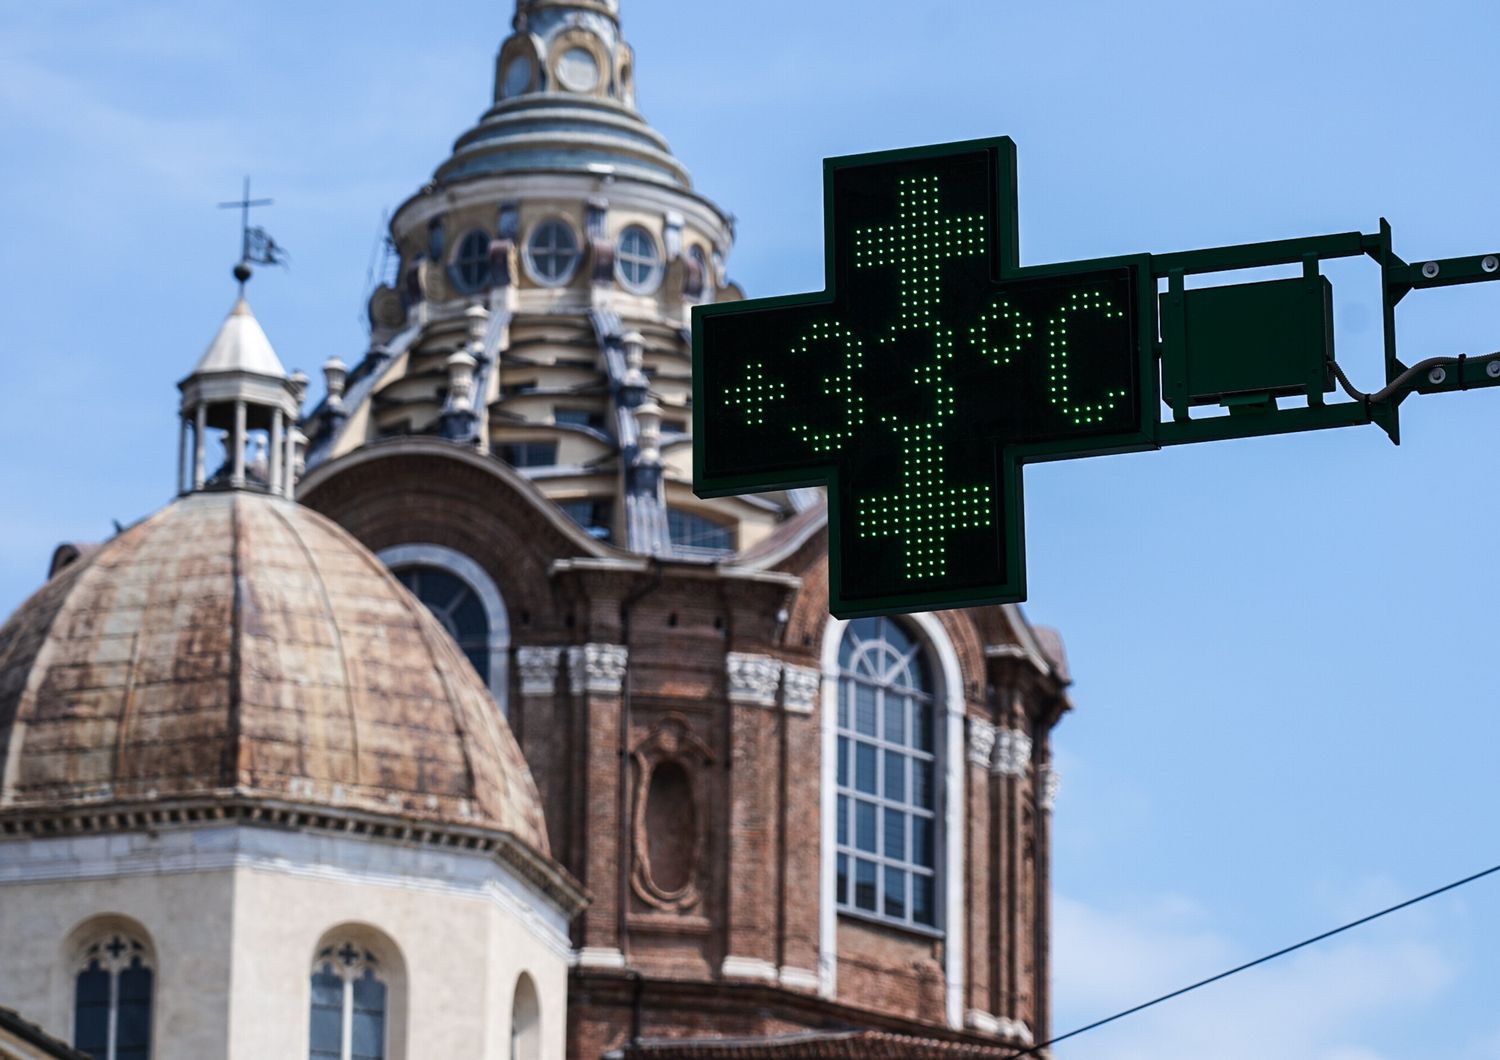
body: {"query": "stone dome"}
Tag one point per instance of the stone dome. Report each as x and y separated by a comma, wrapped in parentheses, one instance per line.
(237, 644)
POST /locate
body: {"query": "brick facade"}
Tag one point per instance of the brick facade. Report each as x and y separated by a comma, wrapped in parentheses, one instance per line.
(680, 767)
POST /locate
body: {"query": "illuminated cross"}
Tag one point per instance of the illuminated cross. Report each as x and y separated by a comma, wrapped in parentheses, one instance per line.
(920, 380)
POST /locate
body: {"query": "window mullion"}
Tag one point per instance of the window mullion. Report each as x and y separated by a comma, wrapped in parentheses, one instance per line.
(346, 1038)
(112, 1045)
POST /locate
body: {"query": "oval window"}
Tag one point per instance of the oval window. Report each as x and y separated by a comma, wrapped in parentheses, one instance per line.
(637, 264)
(471, 262)
(671, 827)
(578, 70)
(552, 253)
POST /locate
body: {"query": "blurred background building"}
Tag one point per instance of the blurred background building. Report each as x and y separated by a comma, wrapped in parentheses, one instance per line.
(621, 787)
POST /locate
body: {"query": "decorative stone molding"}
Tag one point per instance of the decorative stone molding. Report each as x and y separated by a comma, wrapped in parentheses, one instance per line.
(982, 1022)
(799, 979)
(1048, 783)
(596, 667)
(599, 957)
(748, 968)
(538, 667)
(1012, 753)
(673, 748)
(799, 688)
(981, 741)
(753, 679)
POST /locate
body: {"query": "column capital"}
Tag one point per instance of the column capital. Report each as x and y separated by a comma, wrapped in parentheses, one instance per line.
(1012, 753)
(799, 688)
(537, 664)
(596, 667)
(753, 678)
(981, 741)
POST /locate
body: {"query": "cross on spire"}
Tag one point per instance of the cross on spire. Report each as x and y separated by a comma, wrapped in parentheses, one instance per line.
(247, 234)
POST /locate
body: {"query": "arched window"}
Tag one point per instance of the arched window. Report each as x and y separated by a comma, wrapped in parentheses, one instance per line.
(637, 263)
(112, 998)
(465, 599)
(348, 1019)
(525, 1021)
(887, 776)
(471, 262)
(457, 607)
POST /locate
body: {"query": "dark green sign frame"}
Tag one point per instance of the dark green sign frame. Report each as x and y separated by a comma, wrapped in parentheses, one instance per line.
(933, 366)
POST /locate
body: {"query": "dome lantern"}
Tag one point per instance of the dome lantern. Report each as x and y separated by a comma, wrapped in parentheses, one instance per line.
(239, 387)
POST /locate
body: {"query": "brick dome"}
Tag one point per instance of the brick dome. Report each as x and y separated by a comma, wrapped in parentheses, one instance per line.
(239, 644)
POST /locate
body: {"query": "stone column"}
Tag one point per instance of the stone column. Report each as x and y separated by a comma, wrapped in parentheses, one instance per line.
(546, 740)
(801, 787)
(596, 674)
(182, 429)
(274, 483)
(289, 461)
(979, 1005)
(753, 681)
(200, 426)
(237, 443)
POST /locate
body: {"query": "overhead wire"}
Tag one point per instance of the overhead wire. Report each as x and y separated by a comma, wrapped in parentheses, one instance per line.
(1036, 1049)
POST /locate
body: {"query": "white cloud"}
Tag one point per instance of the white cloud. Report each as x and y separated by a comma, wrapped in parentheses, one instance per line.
(1322, 1003)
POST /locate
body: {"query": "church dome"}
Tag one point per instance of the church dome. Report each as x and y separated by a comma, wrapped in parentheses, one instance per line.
(238, 645)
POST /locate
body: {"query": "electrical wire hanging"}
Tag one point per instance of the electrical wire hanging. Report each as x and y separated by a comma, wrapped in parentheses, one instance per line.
(1035, 1049)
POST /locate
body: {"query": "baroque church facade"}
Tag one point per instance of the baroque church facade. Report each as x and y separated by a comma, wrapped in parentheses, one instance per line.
(442, 719)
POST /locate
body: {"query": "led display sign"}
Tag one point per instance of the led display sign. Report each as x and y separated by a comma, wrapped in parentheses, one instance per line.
(919, 381)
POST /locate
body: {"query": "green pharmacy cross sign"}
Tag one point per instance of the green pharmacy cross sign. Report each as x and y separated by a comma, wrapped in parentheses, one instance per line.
(934, 366)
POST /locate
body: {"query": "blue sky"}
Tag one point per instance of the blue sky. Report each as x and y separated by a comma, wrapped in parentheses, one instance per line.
(1285, 650)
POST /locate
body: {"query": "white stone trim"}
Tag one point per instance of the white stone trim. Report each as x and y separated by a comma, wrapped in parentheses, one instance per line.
(599, 957)
(1048, 782)
(421, 554)
(538, 668)
(799, 978)
(345, 859)
(981, 1021)
(597, 667)
(753, 679)
(799, 688)
(1012, 753)
(981, 741)
(749, 968)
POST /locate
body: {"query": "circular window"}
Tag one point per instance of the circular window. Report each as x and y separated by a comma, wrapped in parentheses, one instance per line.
(471, 262)
(578, 70)
(552, 253)
(517, 77)
(638, 265)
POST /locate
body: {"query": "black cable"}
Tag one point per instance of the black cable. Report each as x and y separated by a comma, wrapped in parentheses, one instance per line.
(1401, 380)
(1032, 1051)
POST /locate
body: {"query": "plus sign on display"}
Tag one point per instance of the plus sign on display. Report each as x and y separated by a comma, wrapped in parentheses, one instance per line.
(916, 385)
(934, 365)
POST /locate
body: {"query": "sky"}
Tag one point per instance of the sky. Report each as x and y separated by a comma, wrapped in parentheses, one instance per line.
(1284, 648)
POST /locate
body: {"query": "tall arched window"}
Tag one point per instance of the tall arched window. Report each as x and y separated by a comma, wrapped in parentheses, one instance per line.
(457, 607)
(112, 998)
(349, 1004)
(887, 777)
(465, 599)
(525, 1021)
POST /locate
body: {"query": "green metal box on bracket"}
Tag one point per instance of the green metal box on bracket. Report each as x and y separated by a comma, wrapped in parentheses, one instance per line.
(1244, 344)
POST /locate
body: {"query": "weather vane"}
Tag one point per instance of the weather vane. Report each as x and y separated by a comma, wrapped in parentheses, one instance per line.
(256, 244)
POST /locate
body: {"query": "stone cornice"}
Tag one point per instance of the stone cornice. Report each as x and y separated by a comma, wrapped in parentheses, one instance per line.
(240, 808)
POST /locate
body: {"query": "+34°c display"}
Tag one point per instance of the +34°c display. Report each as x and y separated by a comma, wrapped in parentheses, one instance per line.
(935, 365)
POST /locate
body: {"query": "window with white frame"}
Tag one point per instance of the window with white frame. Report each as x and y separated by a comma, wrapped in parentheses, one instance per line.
(112, 999)
(348, 1016)
(887, 776)
(637, 261)
(457, 606)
